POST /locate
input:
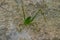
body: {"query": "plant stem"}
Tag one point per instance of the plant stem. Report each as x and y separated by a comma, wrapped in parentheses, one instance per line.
(43, 15)
(23, 9)
(35, 14)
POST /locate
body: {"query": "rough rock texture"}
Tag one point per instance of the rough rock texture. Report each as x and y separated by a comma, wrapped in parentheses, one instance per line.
(11, 16)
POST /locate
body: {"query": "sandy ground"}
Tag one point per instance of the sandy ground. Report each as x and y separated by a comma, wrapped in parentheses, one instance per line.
(11, 16)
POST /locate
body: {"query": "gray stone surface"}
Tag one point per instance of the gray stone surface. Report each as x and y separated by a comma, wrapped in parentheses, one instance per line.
(11, 16)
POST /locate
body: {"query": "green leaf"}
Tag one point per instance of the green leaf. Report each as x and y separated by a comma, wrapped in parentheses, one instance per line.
(27, 20)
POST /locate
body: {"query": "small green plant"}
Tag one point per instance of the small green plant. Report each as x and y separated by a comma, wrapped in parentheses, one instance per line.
(29, 19)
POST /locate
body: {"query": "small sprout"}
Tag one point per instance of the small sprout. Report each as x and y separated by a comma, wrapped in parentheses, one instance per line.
(29, 19)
